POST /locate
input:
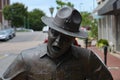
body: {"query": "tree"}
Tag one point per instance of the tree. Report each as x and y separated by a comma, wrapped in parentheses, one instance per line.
(88, 21)
(15, 13)
(35, 19)
(94, 29)
(60, 4)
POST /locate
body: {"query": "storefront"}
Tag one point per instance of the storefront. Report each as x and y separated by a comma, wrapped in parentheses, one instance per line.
(109, 25)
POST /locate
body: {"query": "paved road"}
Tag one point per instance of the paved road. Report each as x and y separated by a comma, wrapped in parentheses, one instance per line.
(28, 36)
(22, 41)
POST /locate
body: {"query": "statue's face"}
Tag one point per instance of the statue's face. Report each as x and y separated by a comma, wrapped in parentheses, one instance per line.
(58, 43)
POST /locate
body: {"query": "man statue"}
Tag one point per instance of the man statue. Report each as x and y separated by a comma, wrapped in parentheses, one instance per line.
(59, 58)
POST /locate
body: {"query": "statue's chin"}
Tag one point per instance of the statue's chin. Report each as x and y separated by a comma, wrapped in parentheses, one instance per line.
(54, 53)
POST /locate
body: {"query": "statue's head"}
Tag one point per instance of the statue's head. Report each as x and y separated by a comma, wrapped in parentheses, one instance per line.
(63, 29)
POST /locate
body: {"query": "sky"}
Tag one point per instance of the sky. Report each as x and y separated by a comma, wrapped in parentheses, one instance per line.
(44, 5)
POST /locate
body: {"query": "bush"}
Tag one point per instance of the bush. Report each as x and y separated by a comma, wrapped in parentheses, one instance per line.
(102, 42)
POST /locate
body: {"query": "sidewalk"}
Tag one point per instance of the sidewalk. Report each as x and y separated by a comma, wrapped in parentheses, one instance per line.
(113, 63)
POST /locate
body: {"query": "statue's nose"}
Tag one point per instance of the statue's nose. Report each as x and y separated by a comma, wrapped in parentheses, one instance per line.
(57, 41)
(56, 44)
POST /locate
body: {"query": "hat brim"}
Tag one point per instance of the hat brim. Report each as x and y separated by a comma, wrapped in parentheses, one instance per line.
(49, 22)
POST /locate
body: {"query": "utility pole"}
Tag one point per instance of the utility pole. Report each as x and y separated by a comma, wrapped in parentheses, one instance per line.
(28, 26)
(24, 22)
(12, 10)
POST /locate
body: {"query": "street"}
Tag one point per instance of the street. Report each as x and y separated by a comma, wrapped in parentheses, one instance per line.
(23, 40)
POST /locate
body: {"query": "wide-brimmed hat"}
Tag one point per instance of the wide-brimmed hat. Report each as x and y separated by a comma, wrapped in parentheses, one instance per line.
(66, 21)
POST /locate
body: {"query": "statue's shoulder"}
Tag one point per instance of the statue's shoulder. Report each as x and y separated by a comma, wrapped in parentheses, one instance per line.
(81, 53)
(35, 52)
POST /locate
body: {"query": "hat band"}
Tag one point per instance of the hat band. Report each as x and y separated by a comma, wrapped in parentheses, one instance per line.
(69, 27)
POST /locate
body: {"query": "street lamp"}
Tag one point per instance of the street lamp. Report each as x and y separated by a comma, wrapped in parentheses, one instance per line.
(28, 26)
(51, 11)
(24, 22)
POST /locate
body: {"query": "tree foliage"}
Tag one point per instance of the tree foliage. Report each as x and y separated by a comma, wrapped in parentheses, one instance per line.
(15, 13)
(35, 19)
(89, 22)
(94, 29)
(19, 16)
(86, 19)
(60, 4)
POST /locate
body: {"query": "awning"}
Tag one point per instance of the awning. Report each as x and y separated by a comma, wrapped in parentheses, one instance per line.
(95, 11)
(95, 16)
(112, 7)
(100, 6)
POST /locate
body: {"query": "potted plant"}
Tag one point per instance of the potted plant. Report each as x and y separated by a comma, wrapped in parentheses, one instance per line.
(101, 43)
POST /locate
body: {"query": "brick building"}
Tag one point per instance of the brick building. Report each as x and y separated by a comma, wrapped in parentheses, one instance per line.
(3, 22)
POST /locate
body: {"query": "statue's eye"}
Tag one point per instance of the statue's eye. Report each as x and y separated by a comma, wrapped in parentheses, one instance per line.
(54, 32)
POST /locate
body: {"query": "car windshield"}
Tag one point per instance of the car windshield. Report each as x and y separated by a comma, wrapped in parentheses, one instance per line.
(3, 32)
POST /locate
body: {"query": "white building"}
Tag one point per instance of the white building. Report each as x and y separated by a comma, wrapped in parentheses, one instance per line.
(108, 15)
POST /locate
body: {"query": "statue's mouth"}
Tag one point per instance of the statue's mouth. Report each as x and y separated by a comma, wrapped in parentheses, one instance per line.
(56, 48)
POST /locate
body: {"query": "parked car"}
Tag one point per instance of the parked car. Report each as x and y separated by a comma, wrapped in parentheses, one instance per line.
(45, 29)
(11, 32)
(4, 35)
(30, 30)
(21, 29)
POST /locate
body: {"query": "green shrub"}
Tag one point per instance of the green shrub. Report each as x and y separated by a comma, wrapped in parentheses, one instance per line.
(102, 42)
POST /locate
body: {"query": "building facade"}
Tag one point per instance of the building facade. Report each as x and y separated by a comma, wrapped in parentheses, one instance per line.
(3, 22)
(109, 22)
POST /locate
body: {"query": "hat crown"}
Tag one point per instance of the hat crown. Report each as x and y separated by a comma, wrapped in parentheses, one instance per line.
(66, 21)
(69, 19)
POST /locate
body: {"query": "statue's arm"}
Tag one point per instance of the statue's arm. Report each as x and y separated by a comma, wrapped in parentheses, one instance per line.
(97, 69)
(15, 69)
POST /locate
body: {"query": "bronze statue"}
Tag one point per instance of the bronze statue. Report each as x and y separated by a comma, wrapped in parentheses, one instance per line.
(59, 59)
